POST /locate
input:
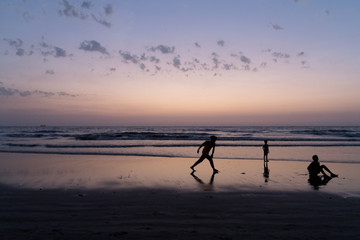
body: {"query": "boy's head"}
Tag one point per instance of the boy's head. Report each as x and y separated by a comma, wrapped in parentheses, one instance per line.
(213, 138)
(315, 158)
(265, 141)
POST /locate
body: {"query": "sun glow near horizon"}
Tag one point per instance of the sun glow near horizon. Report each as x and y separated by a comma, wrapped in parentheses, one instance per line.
(122, 63)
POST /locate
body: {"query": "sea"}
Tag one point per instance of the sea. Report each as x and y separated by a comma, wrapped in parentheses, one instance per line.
(287, 143)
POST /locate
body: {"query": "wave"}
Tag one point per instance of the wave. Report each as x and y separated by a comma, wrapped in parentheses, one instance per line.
(166, 156)
(187, 133)
(319, 144)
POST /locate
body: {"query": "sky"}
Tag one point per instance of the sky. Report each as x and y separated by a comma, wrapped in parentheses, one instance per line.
(184, 62)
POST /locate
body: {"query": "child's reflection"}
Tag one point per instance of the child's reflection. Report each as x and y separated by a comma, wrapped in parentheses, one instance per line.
(266, 173)
(205, 186)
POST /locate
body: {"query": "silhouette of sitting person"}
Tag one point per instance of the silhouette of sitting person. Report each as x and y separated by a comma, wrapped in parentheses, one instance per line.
(208, 145)
(315, 168)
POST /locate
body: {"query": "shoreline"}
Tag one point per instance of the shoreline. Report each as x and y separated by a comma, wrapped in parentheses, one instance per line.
(82, 197)
(53, 171)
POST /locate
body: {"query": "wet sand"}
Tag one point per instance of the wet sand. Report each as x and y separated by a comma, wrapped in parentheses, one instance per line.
(96, 197)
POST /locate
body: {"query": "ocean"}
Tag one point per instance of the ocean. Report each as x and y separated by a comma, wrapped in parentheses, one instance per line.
(331, 144)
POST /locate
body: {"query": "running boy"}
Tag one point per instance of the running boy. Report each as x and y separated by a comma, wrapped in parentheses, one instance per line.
(208, 145)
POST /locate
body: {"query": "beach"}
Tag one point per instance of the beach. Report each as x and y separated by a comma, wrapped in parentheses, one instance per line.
(59, 196)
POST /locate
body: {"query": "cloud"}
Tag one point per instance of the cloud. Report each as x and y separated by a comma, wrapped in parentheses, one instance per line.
(230, 66)
(300, 54)
(280, 55)
(71, 11)
(16, 43)
(27, 17)
(128, 57)
(143, 67)
(275, 27)
(112, 69)
(163, 49)
(245, 59)
(86, 4)
(9, 92)
(221, 43)
(215, 59)
(49, 50)
(108, 9)
(93, 46)
(154, 59)
(50, 72)
(197, 45)
(59, 52)
(176, 62)
(101, 21)
(20, 52)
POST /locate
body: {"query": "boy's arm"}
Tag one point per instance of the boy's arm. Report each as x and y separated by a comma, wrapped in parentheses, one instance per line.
(201, 146)
(213, 150)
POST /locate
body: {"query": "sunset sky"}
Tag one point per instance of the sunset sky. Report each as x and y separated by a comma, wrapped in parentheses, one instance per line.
(185, 62)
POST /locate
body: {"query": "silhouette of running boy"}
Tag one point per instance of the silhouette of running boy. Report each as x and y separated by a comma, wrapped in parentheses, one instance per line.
(208, 145)
(315, 168)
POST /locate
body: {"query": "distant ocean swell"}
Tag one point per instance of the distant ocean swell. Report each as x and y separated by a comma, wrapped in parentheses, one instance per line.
(233, 142)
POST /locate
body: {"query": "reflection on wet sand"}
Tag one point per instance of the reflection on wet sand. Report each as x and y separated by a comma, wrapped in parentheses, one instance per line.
(266, 173)
(205, 186)
(318, 180)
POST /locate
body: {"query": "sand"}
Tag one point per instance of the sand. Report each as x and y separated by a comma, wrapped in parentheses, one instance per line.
(44, 200)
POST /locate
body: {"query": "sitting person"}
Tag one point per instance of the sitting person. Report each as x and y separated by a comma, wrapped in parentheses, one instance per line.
(315, 168)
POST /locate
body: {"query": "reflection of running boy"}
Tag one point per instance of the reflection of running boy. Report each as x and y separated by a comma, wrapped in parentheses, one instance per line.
(266, 151)
(208, 145)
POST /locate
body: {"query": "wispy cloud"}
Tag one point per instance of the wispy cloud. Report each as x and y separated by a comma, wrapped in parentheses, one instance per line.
(49, 50)
(280, 55)
(163, 49)
(275, 26)
(108, 9)
(70, 10)
(128, 57)
(101, 21)
(221, 43)
(86, 4)
(50, 72)
(17, 44)
(9, 92)
(93, 46)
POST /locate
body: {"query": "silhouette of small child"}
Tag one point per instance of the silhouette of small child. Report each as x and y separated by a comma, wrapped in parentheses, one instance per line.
(208, 145)
(315, 168)
(265, 148)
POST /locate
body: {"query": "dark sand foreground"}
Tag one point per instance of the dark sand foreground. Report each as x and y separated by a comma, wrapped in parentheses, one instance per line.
(167, 214)
(42, 201)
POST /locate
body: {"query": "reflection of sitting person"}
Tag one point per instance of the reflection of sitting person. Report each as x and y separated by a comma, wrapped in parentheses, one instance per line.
(316, 180)
(315, 168)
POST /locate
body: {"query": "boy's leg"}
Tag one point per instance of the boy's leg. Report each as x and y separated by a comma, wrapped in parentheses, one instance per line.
(327, 169)
(197, 162)
(211, 163)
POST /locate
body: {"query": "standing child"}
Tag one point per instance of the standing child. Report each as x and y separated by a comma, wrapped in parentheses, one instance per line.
(266, 151)
(208, 145)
